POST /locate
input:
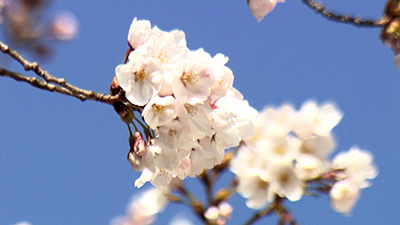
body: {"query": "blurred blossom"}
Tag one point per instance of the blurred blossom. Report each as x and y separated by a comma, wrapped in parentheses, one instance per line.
(24, 24)
(290, 150)
(64, 26)
(357, 165)
(344, 195)
(180, 220)
(219, 215)
(261, 8)
(23, 223)
(143, 208)
(316, 120)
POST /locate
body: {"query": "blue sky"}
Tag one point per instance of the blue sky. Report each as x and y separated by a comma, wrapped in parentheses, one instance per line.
(64, 162)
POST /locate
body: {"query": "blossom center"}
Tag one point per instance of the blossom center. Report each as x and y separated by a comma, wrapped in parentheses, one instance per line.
(280, 149)
(158, 109)
(142, 75)
(307, 148)
(163, 57)
(189, 79)
(191, 110)
(172, 132)
(284, 178)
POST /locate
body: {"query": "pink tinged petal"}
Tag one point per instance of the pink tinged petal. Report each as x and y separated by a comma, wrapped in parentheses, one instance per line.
(193, 86)
(184, 168)
(64, 26)
(261, 8)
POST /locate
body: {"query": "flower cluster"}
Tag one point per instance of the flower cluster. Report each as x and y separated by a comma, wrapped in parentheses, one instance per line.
(289, 153)
(188, 98)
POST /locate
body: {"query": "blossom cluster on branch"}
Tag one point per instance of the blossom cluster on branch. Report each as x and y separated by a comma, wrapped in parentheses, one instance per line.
(187, 97)
(186, 114)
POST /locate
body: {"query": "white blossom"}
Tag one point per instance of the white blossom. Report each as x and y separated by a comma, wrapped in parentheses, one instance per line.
(139, 32)
(358, 166)
(160, 111)
(140, 78)
(284, 181)
(316, 120)
(344, 195)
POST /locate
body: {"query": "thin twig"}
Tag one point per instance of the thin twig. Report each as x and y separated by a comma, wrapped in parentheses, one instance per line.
(208, 183)
(273, 207)
(50, 83)
(320, 9)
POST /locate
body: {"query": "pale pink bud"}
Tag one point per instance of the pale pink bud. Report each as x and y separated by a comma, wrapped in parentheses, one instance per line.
(140, 144)
(261, 8)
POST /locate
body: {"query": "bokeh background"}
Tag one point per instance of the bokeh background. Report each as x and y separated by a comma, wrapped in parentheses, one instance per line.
(64, 162)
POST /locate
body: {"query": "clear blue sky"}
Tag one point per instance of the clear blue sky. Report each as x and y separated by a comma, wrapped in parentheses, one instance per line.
(64, 162)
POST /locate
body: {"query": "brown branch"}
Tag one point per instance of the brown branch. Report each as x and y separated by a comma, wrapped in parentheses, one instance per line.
(36, 82)
(51, 83)
(262, 213)
(320, 9)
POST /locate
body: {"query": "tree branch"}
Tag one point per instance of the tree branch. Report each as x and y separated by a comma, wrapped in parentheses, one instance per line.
(50, 83)
(320, 9)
